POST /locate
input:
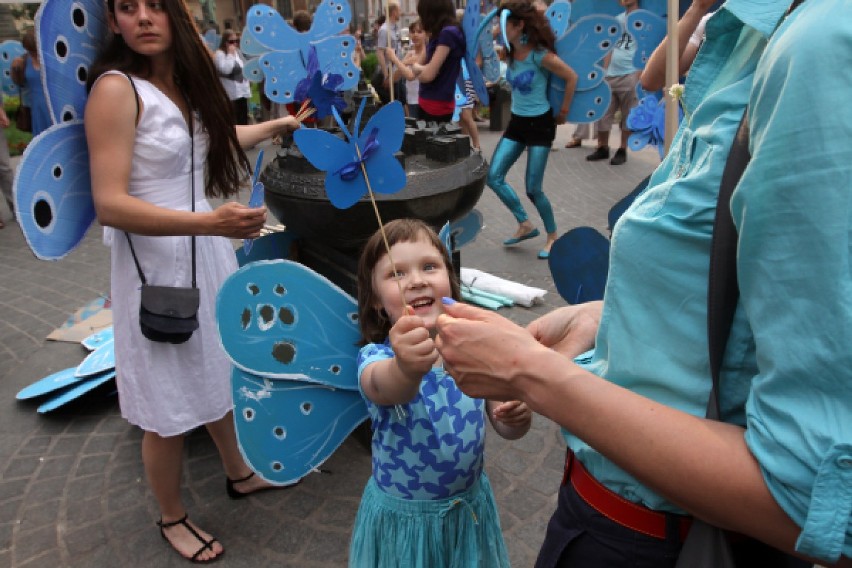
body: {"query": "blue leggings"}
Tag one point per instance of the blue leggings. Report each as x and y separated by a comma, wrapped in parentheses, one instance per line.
(505, 155)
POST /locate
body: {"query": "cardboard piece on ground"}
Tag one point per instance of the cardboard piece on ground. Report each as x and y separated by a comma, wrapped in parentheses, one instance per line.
(84, 322)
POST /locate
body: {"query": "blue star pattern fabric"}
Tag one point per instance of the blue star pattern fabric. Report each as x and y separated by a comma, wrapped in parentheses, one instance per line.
(431, 447)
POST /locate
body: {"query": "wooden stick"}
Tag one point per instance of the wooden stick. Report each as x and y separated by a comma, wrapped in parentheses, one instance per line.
(381, 225)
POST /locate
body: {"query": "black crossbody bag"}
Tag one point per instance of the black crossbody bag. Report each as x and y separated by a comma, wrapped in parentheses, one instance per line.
(169, 314)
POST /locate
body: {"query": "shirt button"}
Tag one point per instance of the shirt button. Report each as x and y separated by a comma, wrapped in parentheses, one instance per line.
(844, 461)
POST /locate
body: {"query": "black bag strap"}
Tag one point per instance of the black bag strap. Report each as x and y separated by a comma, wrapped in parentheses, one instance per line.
(191, 184)
(723, 290)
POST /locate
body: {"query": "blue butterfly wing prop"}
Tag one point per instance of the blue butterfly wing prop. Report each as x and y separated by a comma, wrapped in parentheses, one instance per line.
(267, 31)
(282, 70)
(579, 264)
(252, 71)
(586, 106)
(256, 199)
(212, 39)
(9, 50)
(331, 18)
(327, 152)
(286, 429)
(582, 8)
(585, 44)
(53, 194)
(648, 29)
(470, 27)
(460, 100)
(386, 173)
(70, 35)
(335, 56)
(250, 46)
(558, 15)
(280, 319)
(459, 233)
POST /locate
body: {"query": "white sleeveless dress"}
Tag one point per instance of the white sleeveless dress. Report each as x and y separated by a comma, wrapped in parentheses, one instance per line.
(165, 388)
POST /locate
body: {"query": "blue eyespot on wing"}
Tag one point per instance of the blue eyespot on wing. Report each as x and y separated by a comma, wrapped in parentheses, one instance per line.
(648, 29)
(53, 194)
(587, 42)
(9, 50)
(286, 429)
(558, 16)
(331, 18)
(70, 35)
(280, 319)
(334, 55)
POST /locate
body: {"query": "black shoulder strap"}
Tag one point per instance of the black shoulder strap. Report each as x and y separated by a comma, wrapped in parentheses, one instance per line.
(723, 291)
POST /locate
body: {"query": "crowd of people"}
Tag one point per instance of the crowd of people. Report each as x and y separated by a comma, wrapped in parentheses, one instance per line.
(627, 378)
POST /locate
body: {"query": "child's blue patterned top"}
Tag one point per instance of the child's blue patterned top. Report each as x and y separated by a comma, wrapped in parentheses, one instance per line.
(431, 447)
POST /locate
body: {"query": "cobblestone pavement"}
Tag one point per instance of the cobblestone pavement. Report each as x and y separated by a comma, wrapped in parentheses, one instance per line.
(72, 491)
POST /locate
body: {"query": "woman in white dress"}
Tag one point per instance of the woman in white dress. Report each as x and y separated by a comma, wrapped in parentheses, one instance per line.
(140, 154)
(229, 64)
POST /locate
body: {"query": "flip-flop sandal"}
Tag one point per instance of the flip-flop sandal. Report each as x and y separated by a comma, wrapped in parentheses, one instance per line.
(205, 544)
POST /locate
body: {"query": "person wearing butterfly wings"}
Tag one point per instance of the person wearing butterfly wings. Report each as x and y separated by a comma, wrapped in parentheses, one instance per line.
(156, 108)
(428, 501)
(532, 125)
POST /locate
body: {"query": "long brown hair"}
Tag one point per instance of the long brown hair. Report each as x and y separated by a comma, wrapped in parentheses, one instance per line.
(537, 29)
(196, 75)
(435, 15)
(374, 322)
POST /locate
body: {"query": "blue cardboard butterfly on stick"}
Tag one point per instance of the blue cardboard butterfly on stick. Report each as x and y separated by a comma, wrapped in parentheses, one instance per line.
(282, 53)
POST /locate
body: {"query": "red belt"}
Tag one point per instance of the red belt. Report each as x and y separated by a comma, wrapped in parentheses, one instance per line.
(615, 507)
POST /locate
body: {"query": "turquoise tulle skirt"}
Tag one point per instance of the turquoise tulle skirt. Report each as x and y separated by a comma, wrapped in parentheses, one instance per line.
(460, 532)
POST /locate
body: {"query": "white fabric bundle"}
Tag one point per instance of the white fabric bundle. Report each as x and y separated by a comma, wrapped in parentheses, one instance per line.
(521, 294)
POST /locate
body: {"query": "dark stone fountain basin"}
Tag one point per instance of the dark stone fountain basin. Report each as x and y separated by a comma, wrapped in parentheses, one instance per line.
(435, 192)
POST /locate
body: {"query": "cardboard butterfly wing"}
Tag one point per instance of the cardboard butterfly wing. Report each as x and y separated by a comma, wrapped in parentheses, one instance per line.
(558, 16)
(286, 429)
(256, 199)
(471, 28)
(9, 50)
(70, 35)
(53, 194)
(579, 264)
(279, 319)
(648, 30)
(582, 47)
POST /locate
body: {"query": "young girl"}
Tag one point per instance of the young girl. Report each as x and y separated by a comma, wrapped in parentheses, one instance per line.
(439, 66)
(428, 502)
(404, 67)
(158, 124)
(532, 126)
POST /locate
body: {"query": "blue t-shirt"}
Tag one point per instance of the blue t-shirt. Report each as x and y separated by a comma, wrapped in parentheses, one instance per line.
(443, 86)
(786, 371)
(621, 62)
(529, 85)
(429, 448)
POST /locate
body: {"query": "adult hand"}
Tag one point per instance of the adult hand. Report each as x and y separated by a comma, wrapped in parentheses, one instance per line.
(485, 353)
(413, 348)
(569, 330)
(237, 221)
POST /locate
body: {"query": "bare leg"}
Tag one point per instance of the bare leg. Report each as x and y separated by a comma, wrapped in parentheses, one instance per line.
(468, 126)
(225, 437)
(162, 458)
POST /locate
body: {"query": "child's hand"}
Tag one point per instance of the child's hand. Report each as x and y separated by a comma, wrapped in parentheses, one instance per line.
(413, 347)
(513, 413)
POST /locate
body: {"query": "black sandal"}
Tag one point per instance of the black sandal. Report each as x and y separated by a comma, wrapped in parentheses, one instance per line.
(206, 544)
(234, 494)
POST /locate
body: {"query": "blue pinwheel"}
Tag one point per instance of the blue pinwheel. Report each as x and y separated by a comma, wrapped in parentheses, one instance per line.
(281, 53)
(322, 89)
(647, 122)
(364, 162)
